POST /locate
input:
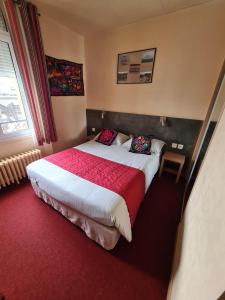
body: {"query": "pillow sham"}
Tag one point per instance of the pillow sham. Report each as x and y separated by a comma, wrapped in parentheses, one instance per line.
(96, 137)
(141, 144)
(156, 146)
(107, 136)
(127, 144)
(120, 139)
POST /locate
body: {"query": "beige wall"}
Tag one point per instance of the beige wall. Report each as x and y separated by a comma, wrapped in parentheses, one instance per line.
(199, 266)
(214, 111)
(16, 145)
(190, 51)
(220, 102)
(69, 111)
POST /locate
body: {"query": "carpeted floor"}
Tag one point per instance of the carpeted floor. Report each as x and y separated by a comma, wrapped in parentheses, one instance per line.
(44, 256)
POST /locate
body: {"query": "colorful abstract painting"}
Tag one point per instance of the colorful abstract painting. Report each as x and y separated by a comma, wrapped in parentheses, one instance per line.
(65, 77)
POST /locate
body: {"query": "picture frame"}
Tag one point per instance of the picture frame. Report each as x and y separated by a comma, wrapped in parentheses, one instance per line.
(136, 66)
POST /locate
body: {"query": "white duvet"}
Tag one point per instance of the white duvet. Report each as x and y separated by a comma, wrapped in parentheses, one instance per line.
(96, 202)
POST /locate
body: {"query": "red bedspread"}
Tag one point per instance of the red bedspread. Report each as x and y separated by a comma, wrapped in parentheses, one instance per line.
(126, 181)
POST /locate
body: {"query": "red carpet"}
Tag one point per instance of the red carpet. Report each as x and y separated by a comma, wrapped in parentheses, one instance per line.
(43, 256)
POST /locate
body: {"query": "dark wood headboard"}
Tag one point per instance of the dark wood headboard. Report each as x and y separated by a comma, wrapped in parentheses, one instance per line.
(178, 130)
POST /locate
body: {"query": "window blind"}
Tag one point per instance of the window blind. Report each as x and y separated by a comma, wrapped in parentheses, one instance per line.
(6, 63)
(2, 22)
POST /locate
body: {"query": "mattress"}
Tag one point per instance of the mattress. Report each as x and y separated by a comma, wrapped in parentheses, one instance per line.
(96, 202)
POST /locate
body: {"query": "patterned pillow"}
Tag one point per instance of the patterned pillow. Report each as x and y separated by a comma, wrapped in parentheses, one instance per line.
(107, 136)
(141, 144)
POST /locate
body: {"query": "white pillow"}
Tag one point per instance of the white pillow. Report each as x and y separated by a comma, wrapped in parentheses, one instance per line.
(156, 146)
(120, 139)
(97, 135)
(127, 144)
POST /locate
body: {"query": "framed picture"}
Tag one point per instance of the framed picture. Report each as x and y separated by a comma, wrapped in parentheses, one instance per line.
(136, 66)
(65, 77)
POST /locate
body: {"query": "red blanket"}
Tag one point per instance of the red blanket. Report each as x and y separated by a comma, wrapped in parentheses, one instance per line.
(126, 181)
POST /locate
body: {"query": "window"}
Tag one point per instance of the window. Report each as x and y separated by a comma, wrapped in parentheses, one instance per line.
(14, 114)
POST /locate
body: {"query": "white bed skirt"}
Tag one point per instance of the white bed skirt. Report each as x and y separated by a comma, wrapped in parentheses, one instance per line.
(105, 236)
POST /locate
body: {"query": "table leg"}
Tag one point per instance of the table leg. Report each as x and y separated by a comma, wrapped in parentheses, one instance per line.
(161, 167)
(179, 173)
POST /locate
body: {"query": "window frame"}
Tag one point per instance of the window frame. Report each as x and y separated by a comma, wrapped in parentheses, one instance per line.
(5, 37)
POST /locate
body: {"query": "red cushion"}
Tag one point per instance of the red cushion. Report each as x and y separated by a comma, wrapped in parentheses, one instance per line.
(107, 136)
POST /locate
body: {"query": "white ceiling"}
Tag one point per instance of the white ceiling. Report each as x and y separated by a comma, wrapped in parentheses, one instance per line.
(86, 16)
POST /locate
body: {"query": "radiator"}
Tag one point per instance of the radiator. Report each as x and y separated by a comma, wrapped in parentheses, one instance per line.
(13, 168)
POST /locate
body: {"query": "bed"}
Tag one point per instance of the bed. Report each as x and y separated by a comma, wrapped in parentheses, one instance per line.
(86, 192)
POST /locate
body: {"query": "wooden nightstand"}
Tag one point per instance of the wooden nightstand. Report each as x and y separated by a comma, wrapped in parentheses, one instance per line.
(175, 158)
(90, 137)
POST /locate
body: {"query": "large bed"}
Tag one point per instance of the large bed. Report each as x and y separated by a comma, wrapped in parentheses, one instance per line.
(98, 209)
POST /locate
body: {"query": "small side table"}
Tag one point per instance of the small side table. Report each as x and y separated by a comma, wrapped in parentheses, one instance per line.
(90, 137)
(175, 158)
